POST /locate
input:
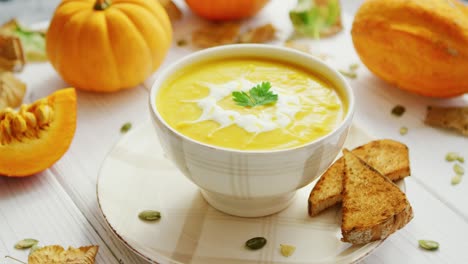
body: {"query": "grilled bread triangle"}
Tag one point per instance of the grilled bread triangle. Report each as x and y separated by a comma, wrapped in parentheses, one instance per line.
(389, 157)
(373, 206)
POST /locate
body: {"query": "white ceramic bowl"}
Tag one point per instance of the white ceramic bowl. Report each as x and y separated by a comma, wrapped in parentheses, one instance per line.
(251, 183)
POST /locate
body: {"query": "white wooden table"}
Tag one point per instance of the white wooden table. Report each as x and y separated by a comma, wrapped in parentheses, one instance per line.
(59, 205)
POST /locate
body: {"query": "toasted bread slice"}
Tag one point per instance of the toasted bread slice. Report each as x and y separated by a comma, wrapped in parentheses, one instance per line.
(373, 206)
(389, 157)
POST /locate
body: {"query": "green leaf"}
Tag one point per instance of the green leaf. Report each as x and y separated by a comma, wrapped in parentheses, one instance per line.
(310, 19)
(258, 95)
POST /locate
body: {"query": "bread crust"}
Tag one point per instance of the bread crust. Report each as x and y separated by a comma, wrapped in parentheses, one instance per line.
(388, 156)
(398, 211)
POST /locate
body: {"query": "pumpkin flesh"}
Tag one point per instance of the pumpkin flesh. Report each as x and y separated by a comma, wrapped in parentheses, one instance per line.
(37, 149)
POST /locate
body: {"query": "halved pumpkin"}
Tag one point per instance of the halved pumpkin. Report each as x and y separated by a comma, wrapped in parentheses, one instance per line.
(35, 137)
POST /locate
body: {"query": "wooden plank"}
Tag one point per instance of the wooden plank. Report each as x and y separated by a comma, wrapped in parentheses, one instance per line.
(38, 207)
(433, 221)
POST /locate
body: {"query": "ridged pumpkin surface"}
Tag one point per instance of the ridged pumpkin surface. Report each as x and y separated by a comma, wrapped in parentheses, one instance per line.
(421, 46)
(226, 9)
(34, 138)
(109, 48)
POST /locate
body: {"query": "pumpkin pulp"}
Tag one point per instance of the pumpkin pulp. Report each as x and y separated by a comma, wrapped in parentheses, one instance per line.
(36, 136)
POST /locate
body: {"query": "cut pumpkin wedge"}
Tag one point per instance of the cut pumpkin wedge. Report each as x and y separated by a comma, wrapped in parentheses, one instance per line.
(33, 138)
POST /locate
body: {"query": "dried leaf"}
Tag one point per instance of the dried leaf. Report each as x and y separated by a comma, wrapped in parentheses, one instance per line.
(32, 41)
(455, 118)
(11, 53)
(58, 255)
(259, 34)
(11, 90)
(211, 35)
(172, 10)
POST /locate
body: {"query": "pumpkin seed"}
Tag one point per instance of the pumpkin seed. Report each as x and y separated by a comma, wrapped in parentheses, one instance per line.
(461, 159)
(428, 244)
(349, 74)
(458, 169)
(126, 127)
(403, 131)
(451, 156)
(149, 215)
(256, 243)
(44, 115)
(181, 42)
(398, 110)
(30, 119)
(287, 250)
(353, 67)
(19, 124)
(26, 243)
(456, 179)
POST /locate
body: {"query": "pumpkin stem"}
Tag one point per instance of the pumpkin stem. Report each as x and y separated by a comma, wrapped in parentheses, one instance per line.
(102, 4)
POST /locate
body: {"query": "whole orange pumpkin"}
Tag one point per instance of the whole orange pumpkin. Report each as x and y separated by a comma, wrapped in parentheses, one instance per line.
(105, 45)
(226, 9)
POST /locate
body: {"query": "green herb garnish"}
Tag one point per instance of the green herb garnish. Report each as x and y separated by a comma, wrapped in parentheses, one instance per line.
(258, 95)
(126, 127)
(313, 19)
(428, 244)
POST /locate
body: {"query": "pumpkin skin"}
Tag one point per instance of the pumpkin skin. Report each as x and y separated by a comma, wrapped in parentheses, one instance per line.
(226, 9)
(40, 146)
(107, 50)
(420, 46)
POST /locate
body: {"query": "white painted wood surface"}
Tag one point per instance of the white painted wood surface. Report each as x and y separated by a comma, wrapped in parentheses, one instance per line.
(59, 205)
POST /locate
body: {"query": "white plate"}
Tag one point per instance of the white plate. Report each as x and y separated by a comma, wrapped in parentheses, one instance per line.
(136, 176)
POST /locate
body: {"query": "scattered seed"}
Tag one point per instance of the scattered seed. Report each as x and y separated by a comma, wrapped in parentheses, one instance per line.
(287, 250)
(149, 215)
(353, 67)
(126, 127)
(26, 243)
(256, 243)
(458, 169)
(403, 131)
(456, 179)
(428, 244)
(451, 156)
(182, 42)
(349, 74)
(398, 110)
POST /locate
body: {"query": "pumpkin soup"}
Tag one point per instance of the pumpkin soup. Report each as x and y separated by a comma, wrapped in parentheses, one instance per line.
(198, 102)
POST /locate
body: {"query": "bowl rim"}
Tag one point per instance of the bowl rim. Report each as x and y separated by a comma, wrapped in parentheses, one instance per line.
(198, 56)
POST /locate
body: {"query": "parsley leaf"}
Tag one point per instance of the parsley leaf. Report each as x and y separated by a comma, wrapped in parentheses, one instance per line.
(258, 95)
